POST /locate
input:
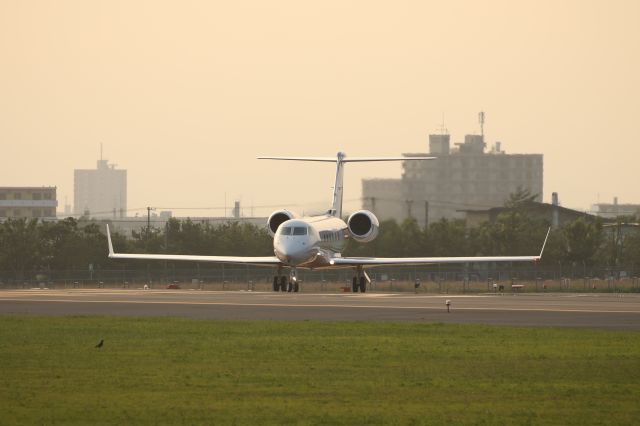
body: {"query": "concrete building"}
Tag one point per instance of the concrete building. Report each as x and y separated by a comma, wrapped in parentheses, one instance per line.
(461, 178)
(28, 202)
(100, 193)
(614, 210)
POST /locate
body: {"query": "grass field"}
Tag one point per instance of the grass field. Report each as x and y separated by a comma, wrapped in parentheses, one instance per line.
(176, 371)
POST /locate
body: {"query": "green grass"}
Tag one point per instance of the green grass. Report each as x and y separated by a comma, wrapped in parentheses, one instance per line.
(177, 371)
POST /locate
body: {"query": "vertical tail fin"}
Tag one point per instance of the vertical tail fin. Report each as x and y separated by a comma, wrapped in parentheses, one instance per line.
(338, 186)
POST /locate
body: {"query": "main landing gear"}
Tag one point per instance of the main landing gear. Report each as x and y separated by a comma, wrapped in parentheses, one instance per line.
(359, 281)
(283, 283)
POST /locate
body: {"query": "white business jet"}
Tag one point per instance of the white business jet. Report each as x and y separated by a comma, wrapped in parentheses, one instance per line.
(315, 242)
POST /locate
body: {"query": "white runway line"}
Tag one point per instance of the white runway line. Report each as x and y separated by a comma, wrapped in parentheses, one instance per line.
(307, 305)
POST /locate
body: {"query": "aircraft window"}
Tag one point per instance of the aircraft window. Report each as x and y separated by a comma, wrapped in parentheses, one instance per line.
(299, 230)
(286, 230)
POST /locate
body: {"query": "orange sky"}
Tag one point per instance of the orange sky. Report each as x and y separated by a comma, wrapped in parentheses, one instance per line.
(186, 94)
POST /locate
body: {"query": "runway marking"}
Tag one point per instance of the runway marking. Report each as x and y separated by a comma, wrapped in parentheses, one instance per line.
(282, 305)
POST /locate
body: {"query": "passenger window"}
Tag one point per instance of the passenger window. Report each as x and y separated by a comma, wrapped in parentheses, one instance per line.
(299, 230)
(286, 231)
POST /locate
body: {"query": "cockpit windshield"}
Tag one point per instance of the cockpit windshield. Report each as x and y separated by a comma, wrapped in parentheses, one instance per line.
(294, 230)
(300, 230)
(286, 230)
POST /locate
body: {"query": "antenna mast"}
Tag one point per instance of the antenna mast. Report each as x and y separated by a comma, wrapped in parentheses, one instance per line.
(443, 129)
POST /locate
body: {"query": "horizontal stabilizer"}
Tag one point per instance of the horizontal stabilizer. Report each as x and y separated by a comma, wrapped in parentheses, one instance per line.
(346, 160)
(323, 159)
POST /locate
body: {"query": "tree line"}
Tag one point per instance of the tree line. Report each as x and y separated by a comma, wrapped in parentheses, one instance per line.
(29, 246)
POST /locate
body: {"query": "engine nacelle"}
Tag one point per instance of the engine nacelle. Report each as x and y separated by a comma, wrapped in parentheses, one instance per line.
(363, 226)
(277, 218)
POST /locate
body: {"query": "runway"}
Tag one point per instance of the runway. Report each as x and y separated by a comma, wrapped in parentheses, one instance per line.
(609, 311)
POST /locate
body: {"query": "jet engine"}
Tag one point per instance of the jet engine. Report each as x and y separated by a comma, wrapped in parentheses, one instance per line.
(363, 226)
(277, 218)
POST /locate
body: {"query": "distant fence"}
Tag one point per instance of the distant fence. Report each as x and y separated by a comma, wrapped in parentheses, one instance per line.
(429, 279)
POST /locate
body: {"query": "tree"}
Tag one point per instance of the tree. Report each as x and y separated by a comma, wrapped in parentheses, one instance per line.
(520, 198)
(631, 251)
(21, 245)
(447, 238)
(583, 240)
(515, 232)
(62, 243)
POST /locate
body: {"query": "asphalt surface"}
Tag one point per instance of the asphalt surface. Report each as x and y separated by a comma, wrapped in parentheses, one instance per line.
(609, 311)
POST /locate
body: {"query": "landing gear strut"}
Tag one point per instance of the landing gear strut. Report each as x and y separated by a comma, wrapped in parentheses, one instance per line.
(359, 281)
(294, 285)
(279, 281)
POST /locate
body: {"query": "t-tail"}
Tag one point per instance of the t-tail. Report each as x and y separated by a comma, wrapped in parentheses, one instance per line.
(340, 160)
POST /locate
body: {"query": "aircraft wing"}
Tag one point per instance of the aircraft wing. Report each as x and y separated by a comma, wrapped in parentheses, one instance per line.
(384, 261)
(257, 261)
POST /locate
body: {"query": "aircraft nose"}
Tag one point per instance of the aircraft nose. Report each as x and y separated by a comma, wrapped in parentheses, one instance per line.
(293, 251)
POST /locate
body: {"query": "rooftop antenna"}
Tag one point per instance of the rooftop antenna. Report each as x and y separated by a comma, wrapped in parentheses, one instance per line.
(100, 151)
(481, 120)
(443, 130)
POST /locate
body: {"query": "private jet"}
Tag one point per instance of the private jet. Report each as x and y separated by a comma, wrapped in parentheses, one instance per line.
(316, 242)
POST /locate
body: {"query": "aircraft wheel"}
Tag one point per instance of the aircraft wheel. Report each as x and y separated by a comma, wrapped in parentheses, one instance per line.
(363, 284)
(276, 287)
(283, 283)
(296, 287)
(354, 285)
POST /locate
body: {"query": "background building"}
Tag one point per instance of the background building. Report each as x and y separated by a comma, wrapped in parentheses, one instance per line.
(28, 202)
(612, 211)
(554, 213)
(461, 178)
(100, 193)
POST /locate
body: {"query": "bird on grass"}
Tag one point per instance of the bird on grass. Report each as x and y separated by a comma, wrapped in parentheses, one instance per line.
(100, 343)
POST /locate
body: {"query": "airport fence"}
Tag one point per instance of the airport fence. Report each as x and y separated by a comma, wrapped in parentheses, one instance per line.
(419, 279)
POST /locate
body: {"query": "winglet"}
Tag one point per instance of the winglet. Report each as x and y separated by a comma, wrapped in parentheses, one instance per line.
(109, 241)
(545, 242)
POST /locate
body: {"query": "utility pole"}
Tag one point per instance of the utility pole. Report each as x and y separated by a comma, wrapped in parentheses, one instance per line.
(409, 203)
(149, 221)
(426, 214)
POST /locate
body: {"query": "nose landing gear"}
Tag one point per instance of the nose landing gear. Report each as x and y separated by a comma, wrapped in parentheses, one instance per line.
(294, 285)
(284, 283)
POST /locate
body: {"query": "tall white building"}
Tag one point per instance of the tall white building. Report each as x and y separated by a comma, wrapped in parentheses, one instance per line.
(100, 193)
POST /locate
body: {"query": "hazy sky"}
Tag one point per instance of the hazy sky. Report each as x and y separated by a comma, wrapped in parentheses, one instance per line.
(185, 94)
